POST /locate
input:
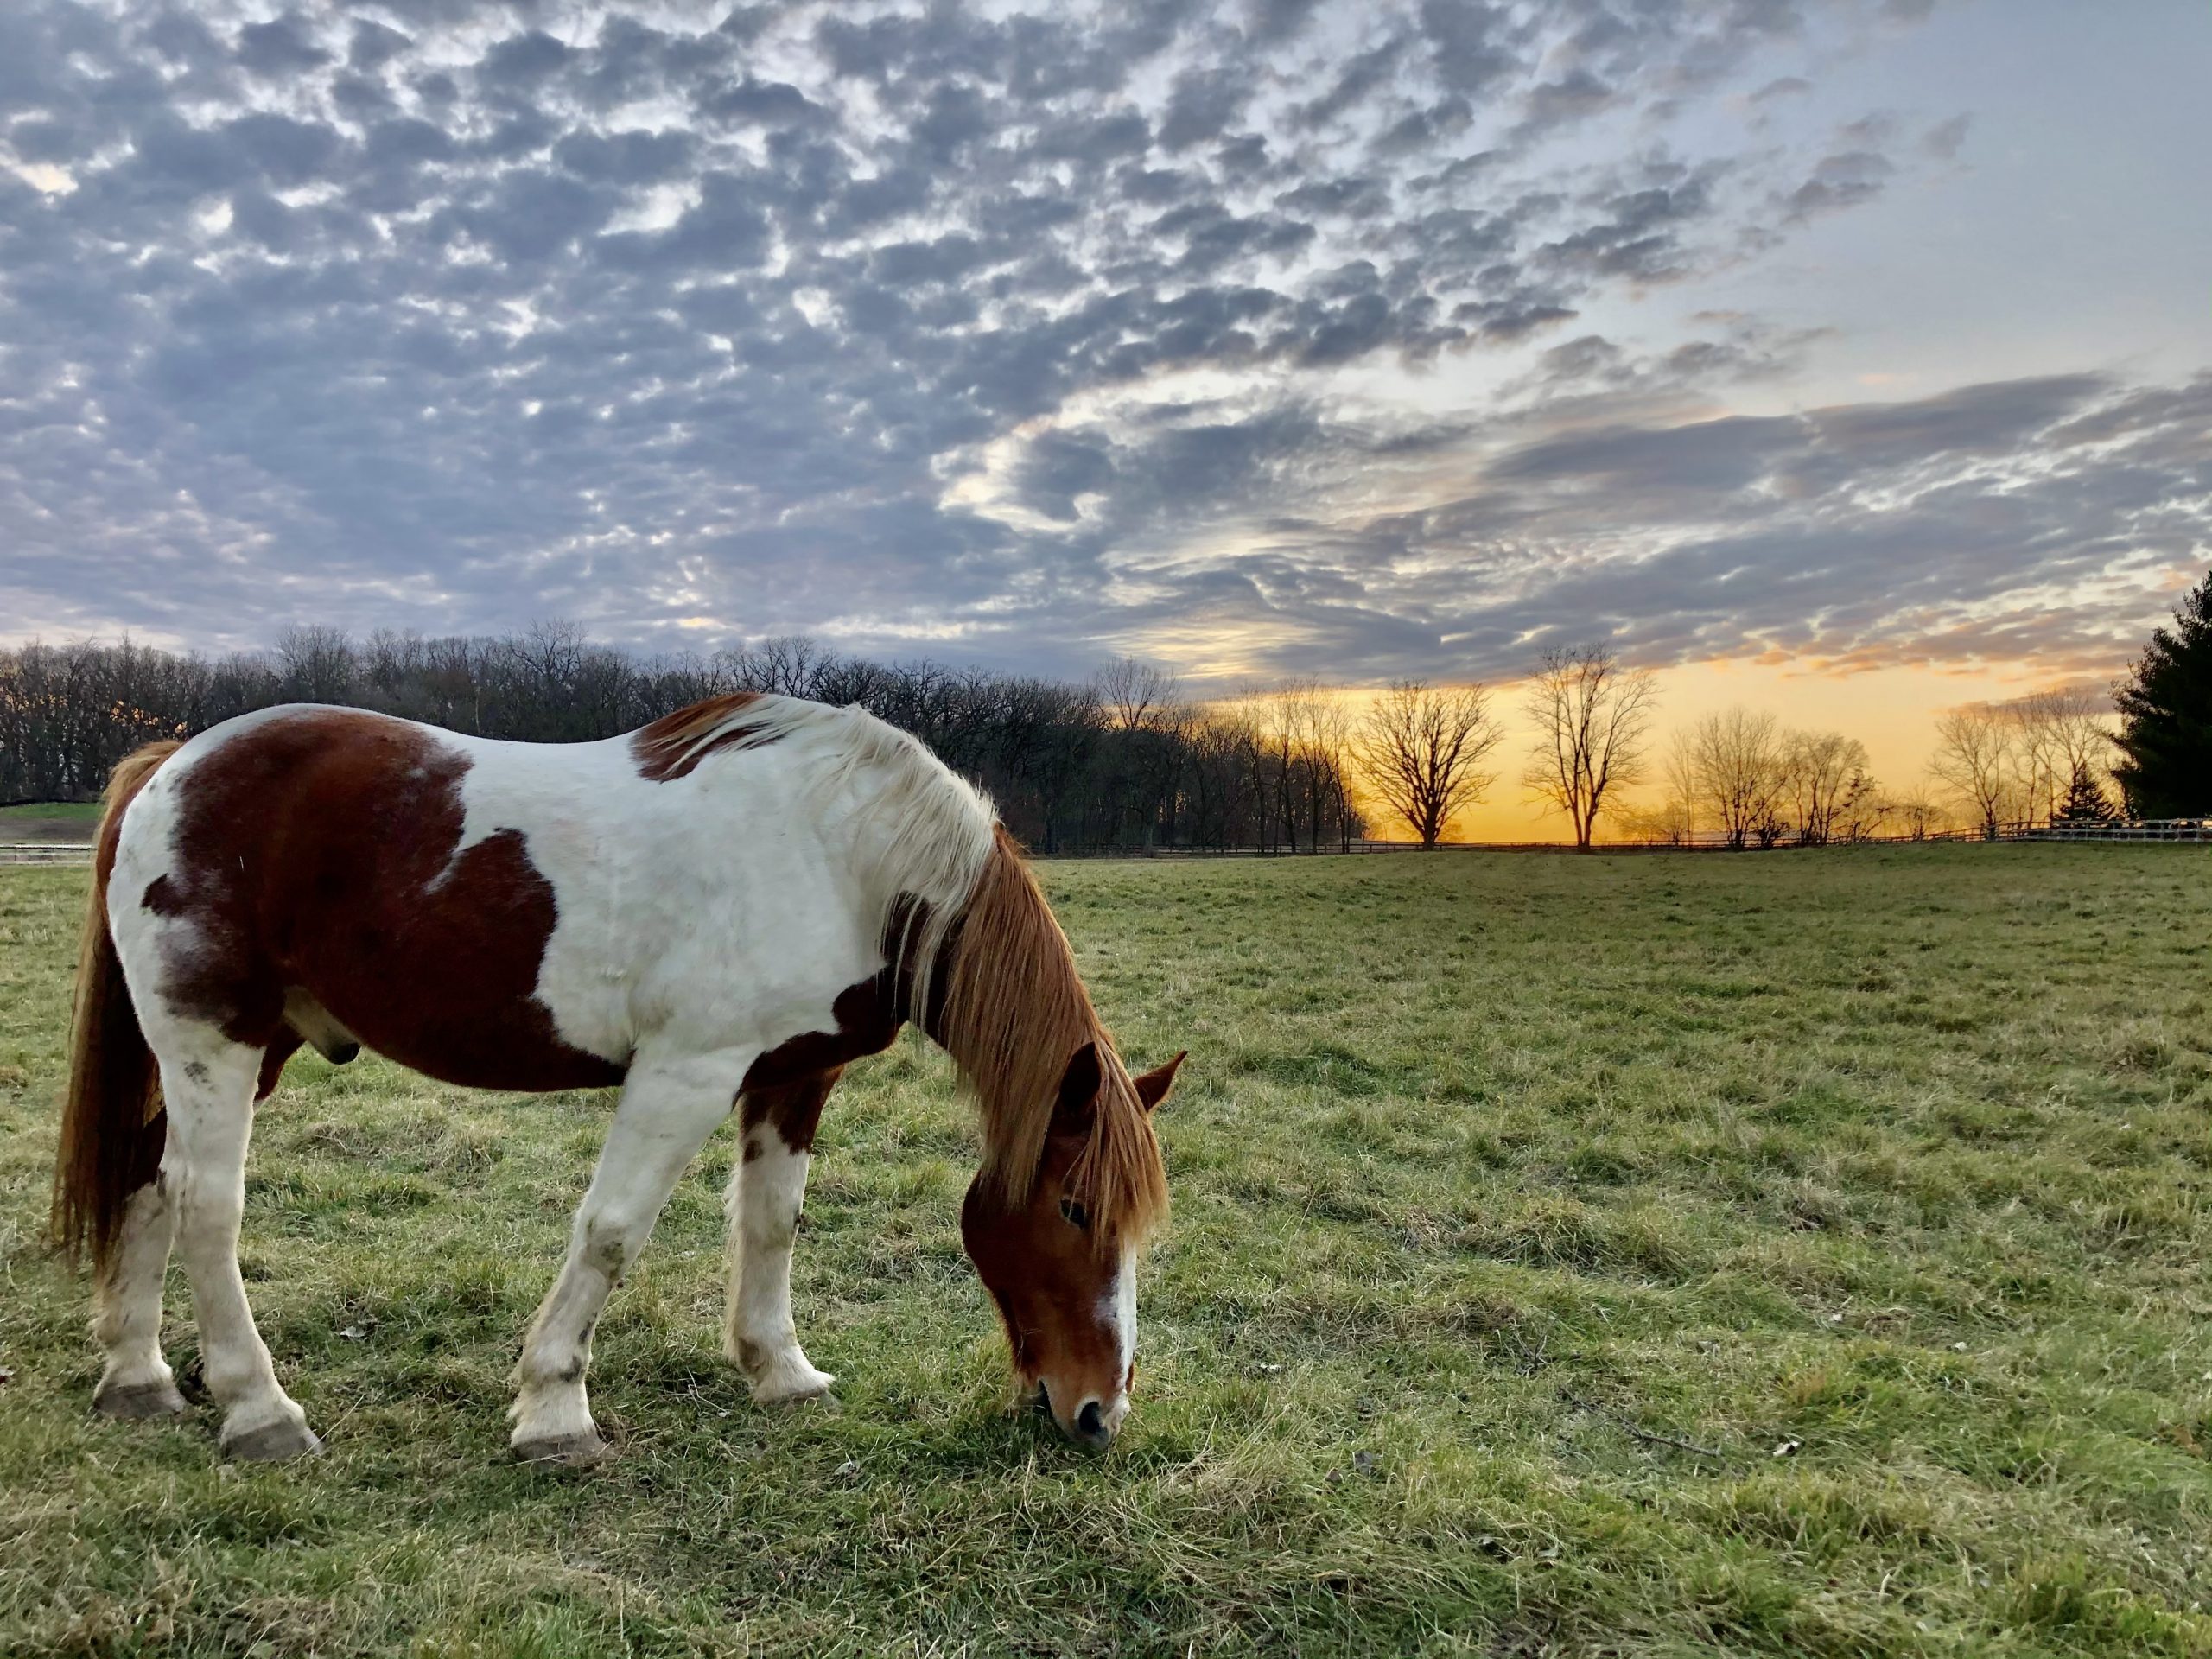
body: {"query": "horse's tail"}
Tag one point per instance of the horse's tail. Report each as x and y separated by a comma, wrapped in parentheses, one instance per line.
(112, 1128)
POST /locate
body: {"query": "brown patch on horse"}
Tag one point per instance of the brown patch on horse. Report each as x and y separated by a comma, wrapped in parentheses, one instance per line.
(1013, 1013)
(317, 852)
(286, 1044)
(675, 743)
(793, 1110)
(867, 1018)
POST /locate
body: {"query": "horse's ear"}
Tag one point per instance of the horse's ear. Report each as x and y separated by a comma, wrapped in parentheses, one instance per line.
(1076, 1108)
(1152, 1088)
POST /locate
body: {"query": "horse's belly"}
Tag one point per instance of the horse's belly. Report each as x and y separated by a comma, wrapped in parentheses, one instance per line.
(442, 975)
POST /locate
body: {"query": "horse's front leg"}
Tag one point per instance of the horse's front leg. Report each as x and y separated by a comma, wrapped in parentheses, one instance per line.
(669, 1107)
(766, 1191)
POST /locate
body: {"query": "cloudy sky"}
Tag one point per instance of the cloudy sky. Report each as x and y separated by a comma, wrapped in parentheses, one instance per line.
(1813, 337)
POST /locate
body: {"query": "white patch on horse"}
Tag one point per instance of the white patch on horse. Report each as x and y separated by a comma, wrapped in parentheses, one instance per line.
(1117, 1308)
(762, 1202)
(144, 852)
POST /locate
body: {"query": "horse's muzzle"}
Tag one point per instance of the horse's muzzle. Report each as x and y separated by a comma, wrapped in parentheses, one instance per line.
(1093, 1424)
(1091, 1427)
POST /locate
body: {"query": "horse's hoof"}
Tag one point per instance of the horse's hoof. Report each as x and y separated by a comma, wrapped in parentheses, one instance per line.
(273, 1442)
(138, 1401)
(562, 1451)
(790, 1387)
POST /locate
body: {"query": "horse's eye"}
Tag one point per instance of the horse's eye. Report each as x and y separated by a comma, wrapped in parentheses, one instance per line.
(1075, 1213)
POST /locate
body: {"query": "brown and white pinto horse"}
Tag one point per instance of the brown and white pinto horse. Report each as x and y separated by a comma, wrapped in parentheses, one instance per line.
(726, 906)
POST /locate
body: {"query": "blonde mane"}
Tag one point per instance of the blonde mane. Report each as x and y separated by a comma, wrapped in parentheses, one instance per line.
(1015, 1011)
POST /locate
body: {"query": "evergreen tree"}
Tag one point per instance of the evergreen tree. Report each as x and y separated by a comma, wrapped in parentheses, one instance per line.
(2165, 710)
(2085, 801)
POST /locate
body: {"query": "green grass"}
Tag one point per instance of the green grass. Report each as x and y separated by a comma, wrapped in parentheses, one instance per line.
(1877, 1176)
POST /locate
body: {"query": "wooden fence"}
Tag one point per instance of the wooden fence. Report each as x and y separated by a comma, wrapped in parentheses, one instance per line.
(46, 852)
(2125, 830)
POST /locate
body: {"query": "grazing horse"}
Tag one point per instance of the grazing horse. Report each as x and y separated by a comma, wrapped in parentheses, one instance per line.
(717, 911)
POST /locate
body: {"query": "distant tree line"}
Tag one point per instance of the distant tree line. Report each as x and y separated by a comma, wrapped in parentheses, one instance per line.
(1125, 761)
(1122, 761)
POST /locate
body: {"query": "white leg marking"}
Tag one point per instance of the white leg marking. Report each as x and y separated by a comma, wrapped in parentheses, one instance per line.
(207, 1085)
(127, 1311)
(762, 1202)
(668, 1109)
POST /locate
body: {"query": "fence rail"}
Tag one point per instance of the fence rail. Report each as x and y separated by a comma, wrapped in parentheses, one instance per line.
(2123, 830)
(46, 852)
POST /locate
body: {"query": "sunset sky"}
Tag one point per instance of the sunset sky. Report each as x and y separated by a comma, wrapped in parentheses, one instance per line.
(1850, 359)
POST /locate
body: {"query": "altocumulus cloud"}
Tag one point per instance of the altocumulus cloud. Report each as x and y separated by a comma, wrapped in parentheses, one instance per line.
(1010, 335)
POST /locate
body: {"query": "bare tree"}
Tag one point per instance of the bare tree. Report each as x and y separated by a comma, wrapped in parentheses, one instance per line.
(1282, 752)
(1670, 818)
(2082, 717)
(317, 664)
(1975, 758)
(1129, 691)
(1918, 813)
(1739, 755)
(1679, 787)
(1654, 824)
(2040, 772)
(1311, 725)
(1827, 774)
(2059, 733)
(1861, 811)
(1421, 748)
(791, 664)
(1223, 772)
(1592, 717)
(1325, 737)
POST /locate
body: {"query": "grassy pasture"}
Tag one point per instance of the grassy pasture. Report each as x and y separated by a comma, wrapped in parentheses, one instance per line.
(1801, 1254)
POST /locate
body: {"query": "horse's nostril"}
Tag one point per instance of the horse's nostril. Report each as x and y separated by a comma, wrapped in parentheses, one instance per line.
(1091, 1423)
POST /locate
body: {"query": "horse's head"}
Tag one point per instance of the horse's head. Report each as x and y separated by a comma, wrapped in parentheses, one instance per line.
(1064, 1281)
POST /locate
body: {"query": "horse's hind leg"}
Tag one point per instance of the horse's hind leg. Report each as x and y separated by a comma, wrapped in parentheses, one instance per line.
(207, 1084)
(127, 1310)
(127, 1300)
(766, 1191)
